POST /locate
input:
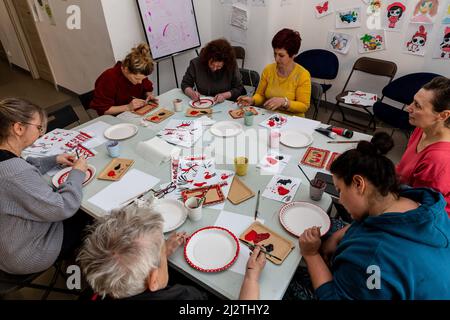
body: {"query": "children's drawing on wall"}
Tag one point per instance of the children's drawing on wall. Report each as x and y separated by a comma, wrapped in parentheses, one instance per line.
(348, 18)
(446, 19)
(442, 44)
(323, 8)
(417, 38)
(425, 11)
(371, 42)
(394, 16)
(339, 42)
(373, 13)
(374, 7)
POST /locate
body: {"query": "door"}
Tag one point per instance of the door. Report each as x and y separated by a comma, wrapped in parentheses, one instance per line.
(34, 41)
(3, 53)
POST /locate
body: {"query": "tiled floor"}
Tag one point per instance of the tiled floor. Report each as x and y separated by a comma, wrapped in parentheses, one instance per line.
(16, 83)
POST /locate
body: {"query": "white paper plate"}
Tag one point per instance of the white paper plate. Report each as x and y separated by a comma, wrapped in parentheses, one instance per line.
(173, 212)
(211, 249)
(61, 176)
(226, 129)
(298, 216)
(121, 131)
(295, 138)
(203, 103)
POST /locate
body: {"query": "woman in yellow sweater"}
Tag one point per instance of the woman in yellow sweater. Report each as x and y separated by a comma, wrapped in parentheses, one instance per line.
(285, 85)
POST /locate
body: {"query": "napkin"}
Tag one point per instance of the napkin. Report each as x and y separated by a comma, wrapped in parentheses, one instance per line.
(156, 150)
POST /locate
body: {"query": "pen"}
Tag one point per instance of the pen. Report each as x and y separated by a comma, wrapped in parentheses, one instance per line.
(257, 205)
(252, 246)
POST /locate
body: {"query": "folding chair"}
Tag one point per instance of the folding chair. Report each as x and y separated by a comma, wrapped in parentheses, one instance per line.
(239, 52)
(316, 94)
(366, 66)
(250, 78)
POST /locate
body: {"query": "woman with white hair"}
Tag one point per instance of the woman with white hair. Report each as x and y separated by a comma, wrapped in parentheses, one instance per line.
(125, 257)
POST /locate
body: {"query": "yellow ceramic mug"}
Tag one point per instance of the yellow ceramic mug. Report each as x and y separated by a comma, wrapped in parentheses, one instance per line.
(241, 165)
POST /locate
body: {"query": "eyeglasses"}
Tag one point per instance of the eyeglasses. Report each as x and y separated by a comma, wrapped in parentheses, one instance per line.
(162, 192)
(40, 127)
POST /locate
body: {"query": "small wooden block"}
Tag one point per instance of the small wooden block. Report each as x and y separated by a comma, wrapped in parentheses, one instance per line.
(239, 192)
(239, 113)
(145, 109)
(315, 157)
(214, 195)
(191, 112)
(116, 169)
(160, 115)
(259, 234)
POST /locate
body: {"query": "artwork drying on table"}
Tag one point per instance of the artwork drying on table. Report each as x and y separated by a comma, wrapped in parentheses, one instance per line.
(446, 19)
(339, 42)
(282, 188)
(394, 16)
(425, 11)
(371, 41)
(273, 162)
(323, 8)
(275, 121)
(348, 18)
(442, 44)
(417, 38)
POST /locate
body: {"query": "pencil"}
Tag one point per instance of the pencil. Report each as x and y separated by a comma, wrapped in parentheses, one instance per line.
(252, 246)
(355, 141)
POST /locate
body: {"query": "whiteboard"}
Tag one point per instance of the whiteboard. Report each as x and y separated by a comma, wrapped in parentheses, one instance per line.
(170, 26)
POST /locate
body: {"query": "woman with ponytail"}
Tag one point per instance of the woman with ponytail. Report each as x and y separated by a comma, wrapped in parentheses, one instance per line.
(398, 245)
(125, 87)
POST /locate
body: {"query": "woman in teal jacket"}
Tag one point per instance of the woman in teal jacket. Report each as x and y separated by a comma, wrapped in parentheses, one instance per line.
(398, 245)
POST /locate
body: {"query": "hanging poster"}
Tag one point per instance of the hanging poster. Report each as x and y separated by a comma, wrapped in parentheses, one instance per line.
(348, 18)
(394, 15)
(417, 38)
(371, 41)
(446, 19)
(339, 42)
(441, 48)
(425, 11)
(323, 8)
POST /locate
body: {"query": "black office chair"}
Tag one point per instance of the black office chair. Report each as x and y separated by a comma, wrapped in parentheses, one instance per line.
(10, 283)
(239, 52)
(250, 78)
(321, 64)
(316, 94)
(85, 100)
(62, 118)
(401, 90)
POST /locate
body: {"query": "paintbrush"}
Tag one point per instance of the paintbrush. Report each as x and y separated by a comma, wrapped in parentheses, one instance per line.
(204, 196)
(356, 141)
(252, 246)
(257, 205)
(304, 174)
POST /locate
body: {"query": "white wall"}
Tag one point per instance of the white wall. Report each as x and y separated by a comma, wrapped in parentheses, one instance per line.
(9, 39)
(77, 57)
(266, 21)
(126, 31)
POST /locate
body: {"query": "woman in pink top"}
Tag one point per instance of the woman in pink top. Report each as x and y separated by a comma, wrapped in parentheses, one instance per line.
(426, 161)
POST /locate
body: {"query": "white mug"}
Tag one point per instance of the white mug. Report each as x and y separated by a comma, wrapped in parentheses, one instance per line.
(193, 208)
(178, 105)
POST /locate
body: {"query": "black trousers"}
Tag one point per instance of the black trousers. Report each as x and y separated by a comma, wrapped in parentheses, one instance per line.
(74, 233)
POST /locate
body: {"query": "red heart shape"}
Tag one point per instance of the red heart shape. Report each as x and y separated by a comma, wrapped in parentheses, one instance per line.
(154, 118)
(194, 113)
(112, 173)
(251, 235)
(272, 161)
(261, 236)
(282, 191)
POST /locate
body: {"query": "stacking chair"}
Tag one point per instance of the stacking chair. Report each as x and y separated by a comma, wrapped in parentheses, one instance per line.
(316, 94)
(400, 90)
(321, 64)
(250, 78)
(10, 283)
(366, 66)
(239, 52)
(62, 118)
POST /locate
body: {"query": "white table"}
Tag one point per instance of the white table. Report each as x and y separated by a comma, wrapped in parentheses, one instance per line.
(275, 279)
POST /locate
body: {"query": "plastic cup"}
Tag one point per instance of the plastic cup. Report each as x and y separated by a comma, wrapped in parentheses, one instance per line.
(241, 165)
(177, 105)
(248, 118)
(316, 189)
(194, 208)
(113, 149)
(274, 139)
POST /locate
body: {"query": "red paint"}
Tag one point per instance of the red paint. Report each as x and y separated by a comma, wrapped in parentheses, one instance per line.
(282, 191)
(271, 160)
(112, 173)
(256, 237)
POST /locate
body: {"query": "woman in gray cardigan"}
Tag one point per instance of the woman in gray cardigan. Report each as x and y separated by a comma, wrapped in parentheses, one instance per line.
(214, 73)
(34, 219)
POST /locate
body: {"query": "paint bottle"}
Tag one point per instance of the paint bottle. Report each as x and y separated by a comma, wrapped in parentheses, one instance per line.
(342, 132)
(327, 133)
